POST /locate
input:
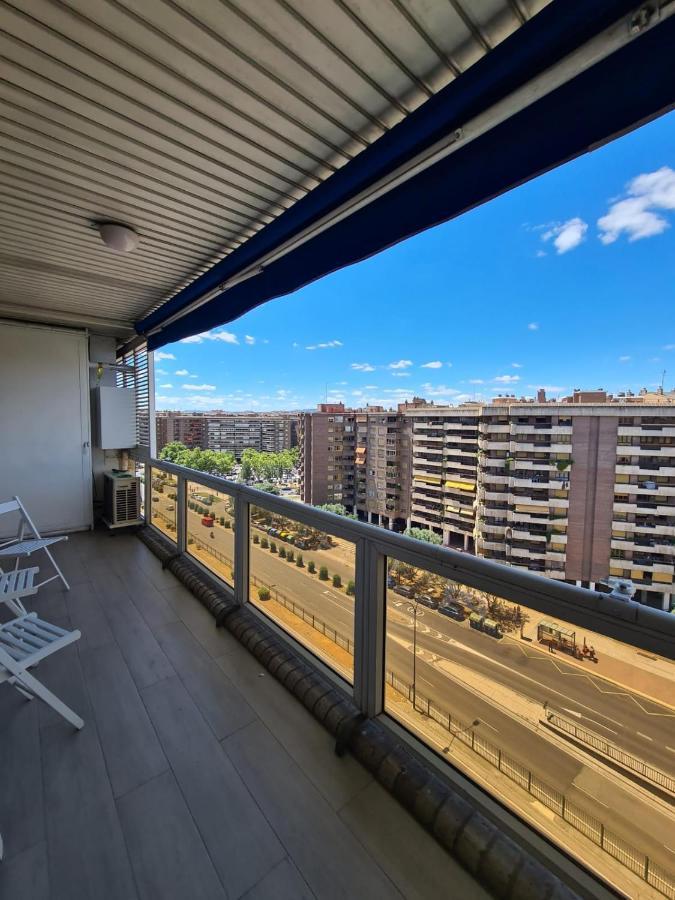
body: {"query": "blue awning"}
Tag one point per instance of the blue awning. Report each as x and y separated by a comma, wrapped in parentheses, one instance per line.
(633, 84)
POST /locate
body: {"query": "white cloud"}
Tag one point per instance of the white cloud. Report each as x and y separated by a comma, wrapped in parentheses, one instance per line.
(566, 235)
(182, 372)
(533, 326)
(363, 367)
(166, 385)
(624, 359)
(507, 379)
(400, 374)
(439, 390)
(401, 364)
(516, 365)
(669, 347)
(199, 387)
(636, 214)
(326, 345)
(160, 354)
(476, 381)
(161, 372)
(432, 365)
(295, 344)
(540, 253)
(226, 336)
(249, 339)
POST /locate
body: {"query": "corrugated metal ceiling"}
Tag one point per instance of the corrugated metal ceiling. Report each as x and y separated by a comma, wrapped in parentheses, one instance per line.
(196, 122)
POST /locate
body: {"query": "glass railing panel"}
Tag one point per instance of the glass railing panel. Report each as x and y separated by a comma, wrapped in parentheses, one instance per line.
(163, 502)
(303, 579)
(572, 730)
(210, 529)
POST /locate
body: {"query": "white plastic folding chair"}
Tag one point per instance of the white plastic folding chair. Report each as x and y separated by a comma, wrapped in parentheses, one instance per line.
(23, 643)
(16, 585)
(28, 540)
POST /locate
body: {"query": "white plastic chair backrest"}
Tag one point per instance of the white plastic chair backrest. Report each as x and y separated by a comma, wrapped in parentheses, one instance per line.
(10, 506)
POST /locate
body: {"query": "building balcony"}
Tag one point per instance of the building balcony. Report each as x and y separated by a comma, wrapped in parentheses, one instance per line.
(525, 534)
(489, 429)
(488, 443)
(646, 431)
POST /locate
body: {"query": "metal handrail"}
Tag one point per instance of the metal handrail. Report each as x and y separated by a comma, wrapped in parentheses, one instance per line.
(630, 622)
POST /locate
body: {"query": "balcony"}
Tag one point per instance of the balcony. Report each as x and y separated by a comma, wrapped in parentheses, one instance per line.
(321, 742)
(193, 776)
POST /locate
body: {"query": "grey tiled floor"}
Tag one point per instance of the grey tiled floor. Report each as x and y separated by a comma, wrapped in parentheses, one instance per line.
(196, 774)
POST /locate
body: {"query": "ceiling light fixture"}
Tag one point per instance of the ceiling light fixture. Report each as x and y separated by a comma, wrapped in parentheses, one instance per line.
(120, 238)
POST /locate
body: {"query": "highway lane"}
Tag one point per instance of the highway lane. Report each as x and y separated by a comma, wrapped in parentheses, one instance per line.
(638, 725)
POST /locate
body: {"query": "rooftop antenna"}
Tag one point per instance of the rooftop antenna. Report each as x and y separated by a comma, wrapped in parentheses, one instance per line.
(663, 378)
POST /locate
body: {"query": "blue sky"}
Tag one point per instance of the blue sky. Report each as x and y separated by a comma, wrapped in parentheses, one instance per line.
(567, 281)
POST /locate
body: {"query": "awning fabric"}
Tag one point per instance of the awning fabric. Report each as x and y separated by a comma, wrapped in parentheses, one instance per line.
(632, 85)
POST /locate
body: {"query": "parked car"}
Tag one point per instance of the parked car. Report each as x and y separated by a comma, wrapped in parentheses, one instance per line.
(429, 602)
(403, 590)
(273, 532)
(391, 581)
(208, 521)
(453, 611)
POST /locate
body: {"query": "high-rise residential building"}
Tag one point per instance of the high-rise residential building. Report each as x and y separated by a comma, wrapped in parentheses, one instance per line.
(189, 429)
(234, 432)
(327, 440)
(575, 490)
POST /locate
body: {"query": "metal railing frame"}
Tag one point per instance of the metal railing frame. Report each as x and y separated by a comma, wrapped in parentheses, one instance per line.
(639, 626)
(632, 623)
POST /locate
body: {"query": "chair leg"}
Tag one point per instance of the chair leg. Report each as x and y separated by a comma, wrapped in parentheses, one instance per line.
(60, 573)
(26, 680)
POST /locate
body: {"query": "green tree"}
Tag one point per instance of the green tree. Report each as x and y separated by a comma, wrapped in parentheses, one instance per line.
(300, 562)
(273, 547)
(337, 581)
(282, 552)
(264, 543)
(351, 588)
(256, 539)
(311, 567)
(424, 534)
(323, 573)
(263, 593)
(290, 556)
(338, 509)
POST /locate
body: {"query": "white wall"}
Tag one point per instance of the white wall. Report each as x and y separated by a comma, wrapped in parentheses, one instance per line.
(102, 349)
(45, 453)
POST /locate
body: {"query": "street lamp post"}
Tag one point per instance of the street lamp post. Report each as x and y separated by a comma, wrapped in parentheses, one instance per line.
(414, 609)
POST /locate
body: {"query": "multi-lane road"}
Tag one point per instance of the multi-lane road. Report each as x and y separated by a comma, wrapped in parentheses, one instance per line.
(637, 724)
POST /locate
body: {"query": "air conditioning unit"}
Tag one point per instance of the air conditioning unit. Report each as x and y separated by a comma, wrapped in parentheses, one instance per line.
(121, 500)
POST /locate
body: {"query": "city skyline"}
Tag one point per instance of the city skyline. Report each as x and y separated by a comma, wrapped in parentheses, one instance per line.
(589, 243)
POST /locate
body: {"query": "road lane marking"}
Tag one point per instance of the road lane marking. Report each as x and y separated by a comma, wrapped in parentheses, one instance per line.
(672, 749)
(579, 788)
(594, 721)
(645, 736)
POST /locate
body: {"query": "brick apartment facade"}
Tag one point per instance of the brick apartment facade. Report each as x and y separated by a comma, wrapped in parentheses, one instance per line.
(234, 432)
(576, 490)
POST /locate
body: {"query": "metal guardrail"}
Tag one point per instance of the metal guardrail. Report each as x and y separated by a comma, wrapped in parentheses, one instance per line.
(597, 742)
(631, 623)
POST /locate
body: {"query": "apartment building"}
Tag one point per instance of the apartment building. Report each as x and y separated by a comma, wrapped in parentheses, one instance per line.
(580, 492)
(268, 433)
(234, 432)
(327, 440)
(188, 429)
(577, 491)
